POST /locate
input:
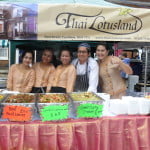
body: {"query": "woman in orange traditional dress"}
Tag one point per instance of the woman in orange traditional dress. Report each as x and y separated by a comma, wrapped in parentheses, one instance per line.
(65, 73)
(21, 77)
(44, 72)
(110, 67)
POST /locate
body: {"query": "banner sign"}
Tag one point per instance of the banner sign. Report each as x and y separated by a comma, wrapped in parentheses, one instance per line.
(74, 22)
(84, 22)
(89, 110)
(17, 113)
(54, 112)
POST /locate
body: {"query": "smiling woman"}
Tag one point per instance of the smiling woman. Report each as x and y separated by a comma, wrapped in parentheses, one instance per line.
(65, 74)
(21, 77)
(44, 72)
(109, 74)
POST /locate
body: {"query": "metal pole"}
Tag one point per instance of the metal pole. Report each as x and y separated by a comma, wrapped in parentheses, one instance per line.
(146, 48)
(9, 53)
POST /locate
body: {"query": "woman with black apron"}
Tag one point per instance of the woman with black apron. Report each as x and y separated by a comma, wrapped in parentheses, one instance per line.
(44, 72)
(65, 74)
(87, 70)
(82, 80)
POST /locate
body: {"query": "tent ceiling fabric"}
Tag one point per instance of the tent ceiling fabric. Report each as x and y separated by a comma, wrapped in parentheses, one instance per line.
(91, 2)
(132, 3)
(132, 45)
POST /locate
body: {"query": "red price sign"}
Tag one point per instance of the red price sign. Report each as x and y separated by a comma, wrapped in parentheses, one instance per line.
(17, 113)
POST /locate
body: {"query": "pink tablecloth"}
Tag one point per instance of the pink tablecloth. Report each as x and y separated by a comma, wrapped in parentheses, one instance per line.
(111, 133)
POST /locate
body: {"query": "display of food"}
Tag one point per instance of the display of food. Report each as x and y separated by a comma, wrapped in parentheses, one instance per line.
(85, 96)
(20, 98)
(53, 98)
(147, 96)
(1, 97)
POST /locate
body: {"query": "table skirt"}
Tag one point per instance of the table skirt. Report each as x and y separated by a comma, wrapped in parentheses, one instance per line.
(107, 133)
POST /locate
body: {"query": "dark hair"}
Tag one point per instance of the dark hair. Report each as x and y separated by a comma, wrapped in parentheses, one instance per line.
(27, 51)
(50, 49)
(54, 60)
(65, 48)
(103, 44)
(86, 45)
(124, 54)
(135, 50)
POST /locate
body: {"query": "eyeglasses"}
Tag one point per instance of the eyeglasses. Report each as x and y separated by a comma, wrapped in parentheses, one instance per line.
(82, 52)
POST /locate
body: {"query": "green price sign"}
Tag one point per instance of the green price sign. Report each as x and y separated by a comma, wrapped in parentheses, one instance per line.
(54, 112)
(89, 110)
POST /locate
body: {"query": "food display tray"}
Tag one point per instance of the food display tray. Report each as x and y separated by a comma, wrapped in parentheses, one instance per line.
(78, 98)
(2, 97)
(85, 97)
(20, 100)
(53, 99)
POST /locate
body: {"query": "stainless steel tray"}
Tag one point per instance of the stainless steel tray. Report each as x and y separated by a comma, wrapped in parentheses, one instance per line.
(3, 97)
(85, 97)
(52, 100)
(14, 102)
(79, 100)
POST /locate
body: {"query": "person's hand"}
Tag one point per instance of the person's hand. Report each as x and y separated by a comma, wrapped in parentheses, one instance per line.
(115, 60)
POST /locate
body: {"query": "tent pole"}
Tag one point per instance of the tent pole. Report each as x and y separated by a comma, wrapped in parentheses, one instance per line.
(145, 73)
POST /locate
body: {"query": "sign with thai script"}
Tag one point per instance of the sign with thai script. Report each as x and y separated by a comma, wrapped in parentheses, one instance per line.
(17, 113)
(54, 112)
(89, 110)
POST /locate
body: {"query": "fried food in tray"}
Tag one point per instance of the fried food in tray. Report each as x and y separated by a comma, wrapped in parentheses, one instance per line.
(85, 96)
(1, 97)
(53, 98)
(20, 98)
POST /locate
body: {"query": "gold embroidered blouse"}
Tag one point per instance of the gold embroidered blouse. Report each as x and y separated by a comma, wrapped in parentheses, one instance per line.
(20, 79)
(65, 77)
(44, 75)
(112, 82)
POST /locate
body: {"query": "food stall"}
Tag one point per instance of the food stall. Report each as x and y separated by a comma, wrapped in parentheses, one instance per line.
(75, 121)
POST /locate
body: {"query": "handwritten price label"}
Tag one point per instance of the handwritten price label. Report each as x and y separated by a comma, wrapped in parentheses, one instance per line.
(17, 113)
(89, 110)
(54, 112)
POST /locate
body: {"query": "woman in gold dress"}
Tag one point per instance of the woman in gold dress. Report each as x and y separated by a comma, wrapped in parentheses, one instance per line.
(21, 77)
(65, 73)
(44, 72)
(110, 67)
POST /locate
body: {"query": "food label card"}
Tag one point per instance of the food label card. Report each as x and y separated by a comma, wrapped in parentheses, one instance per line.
(89, 110)
(54, 112)
(17, 113)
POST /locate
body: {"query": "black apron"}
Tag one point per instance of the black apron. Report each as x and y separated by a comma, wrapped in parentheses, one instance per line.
(58, 90)
(38, 90)
(82, 81)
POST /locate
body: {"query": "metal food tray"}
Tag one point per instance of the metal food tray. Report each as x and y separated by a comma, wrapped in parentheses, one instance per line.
(1, 100)
(101, 100)
(76, 103)
(40, 105)
(32, 105)
(4, 97)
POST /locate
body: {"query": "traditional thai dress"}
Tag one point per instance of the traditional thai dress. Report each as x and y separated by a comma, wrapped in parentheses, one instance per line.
(20, 79)
(111, 81)
(44, 77)
(64, 78)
